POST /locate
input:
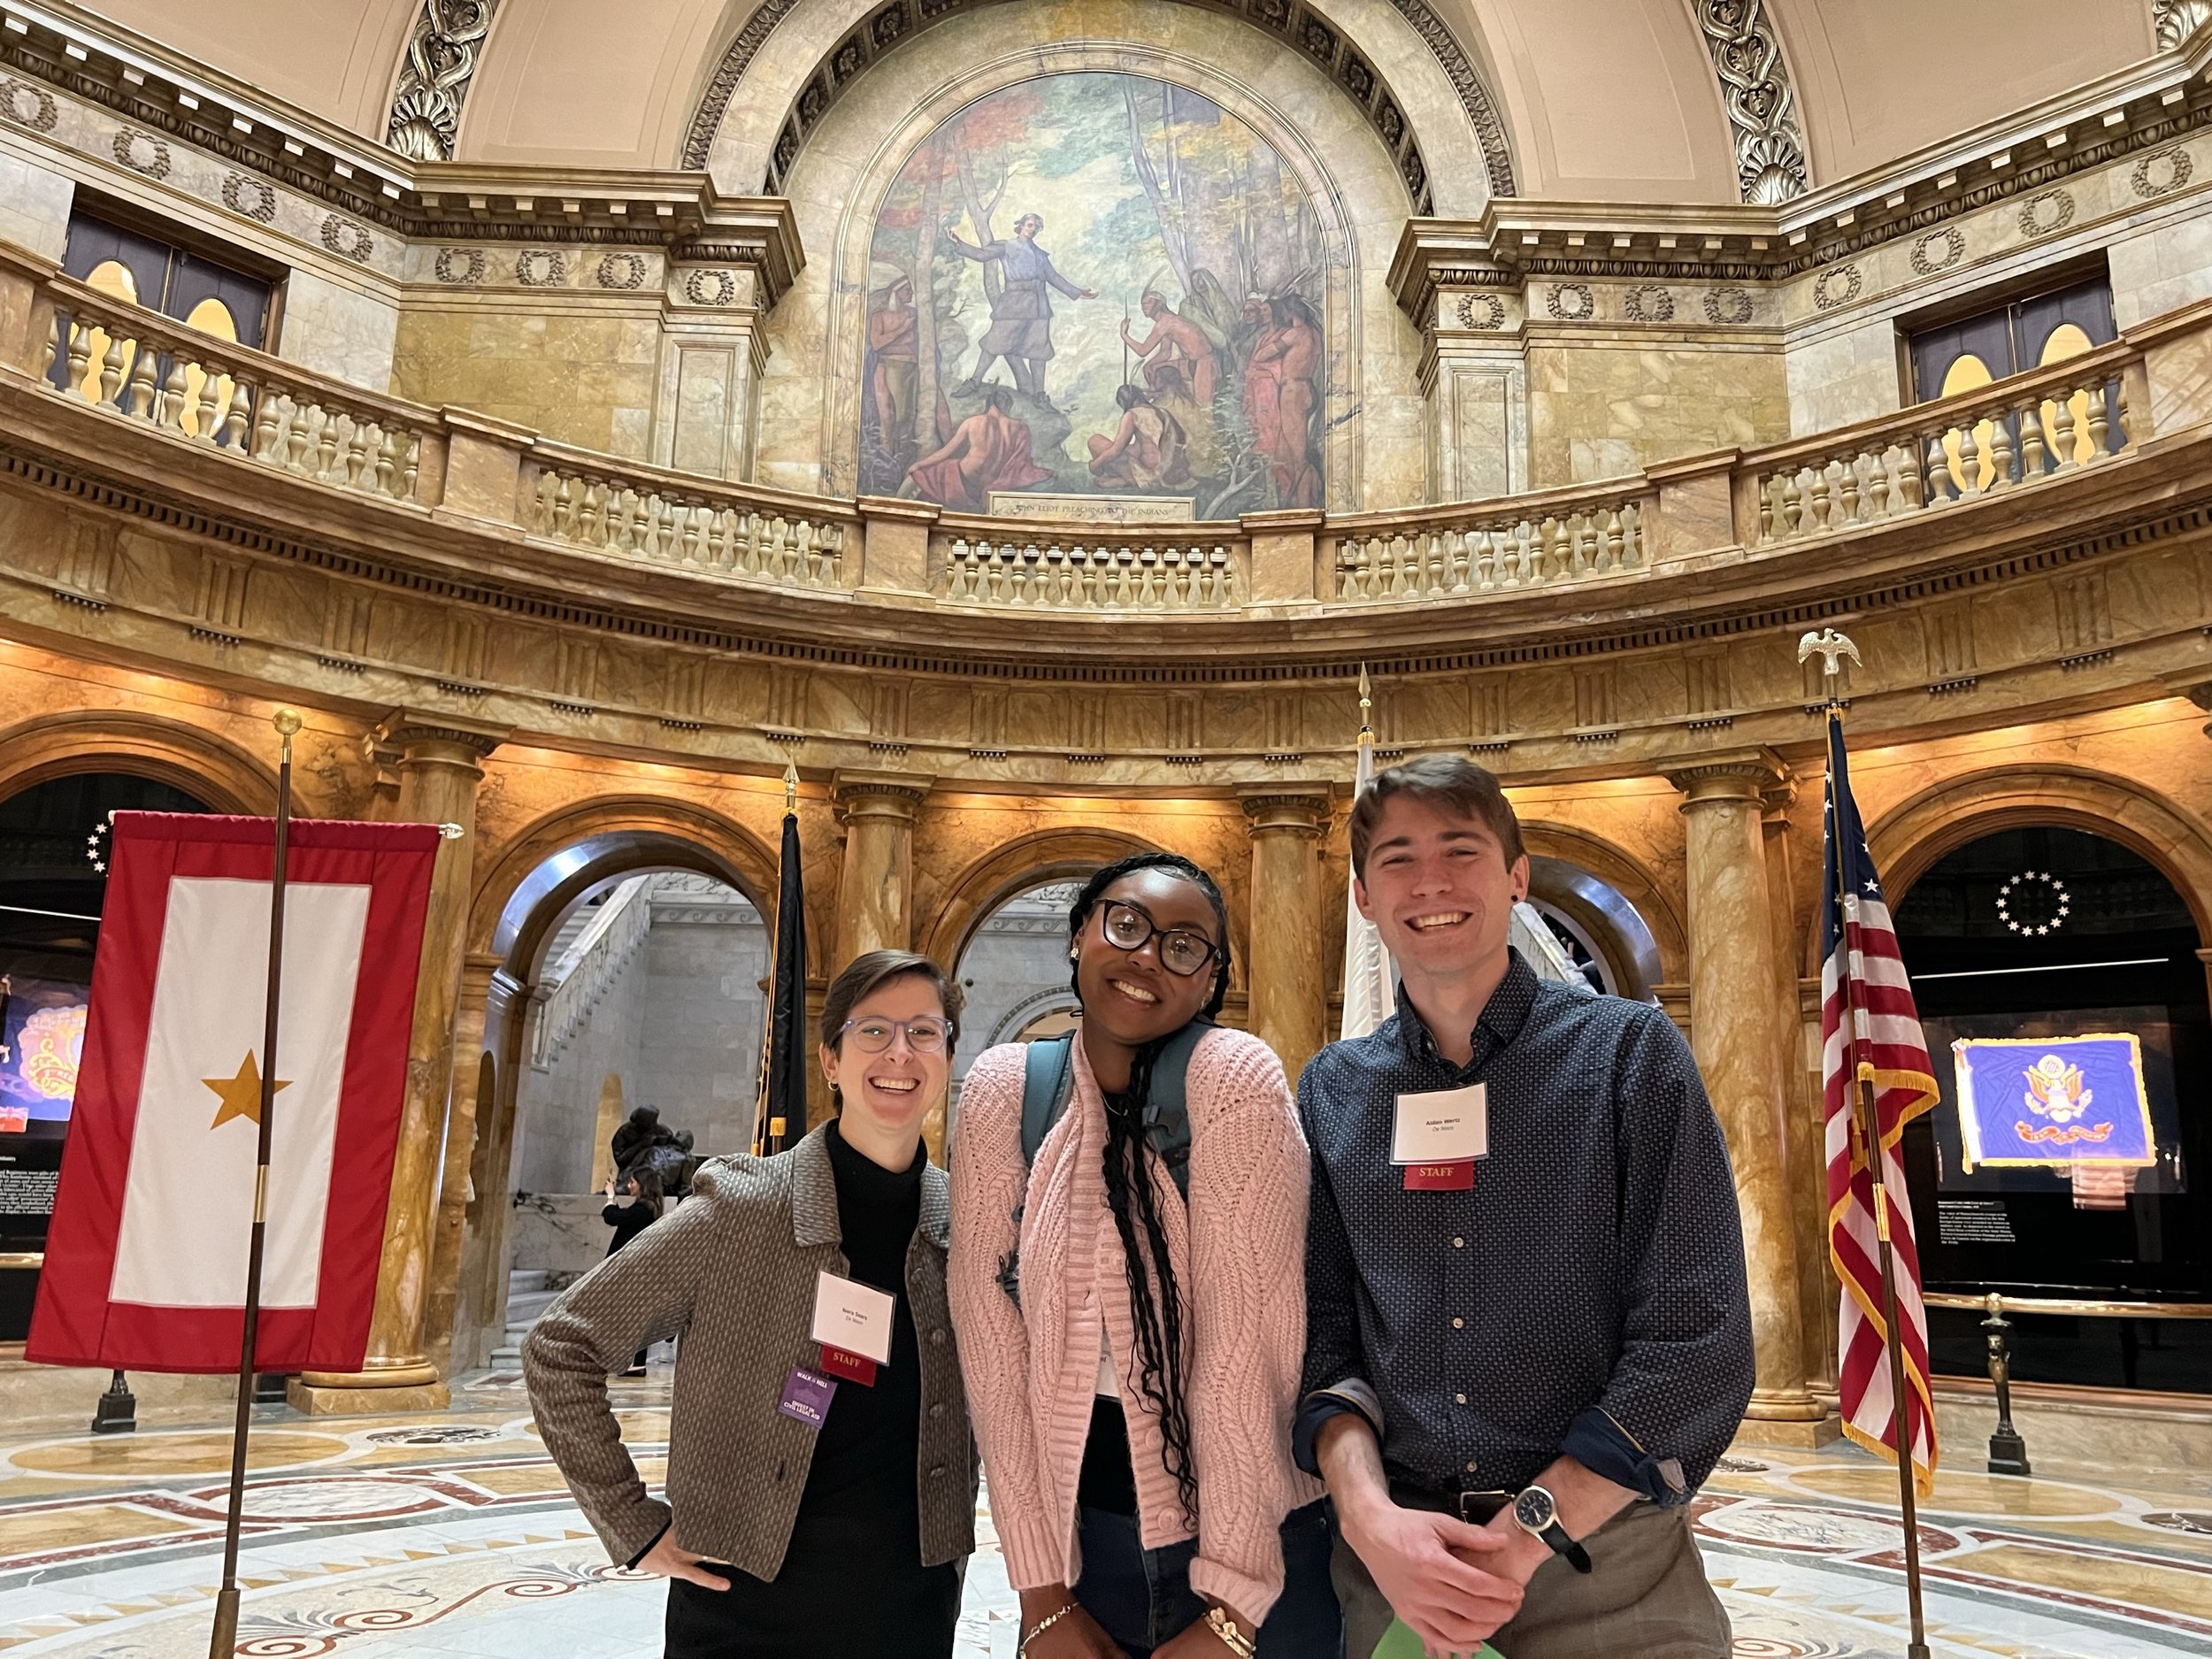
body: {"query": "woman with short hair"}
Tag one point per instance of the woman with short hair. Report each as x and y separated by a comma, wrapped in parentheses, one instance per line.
(1127, 1279)
(821, 1483)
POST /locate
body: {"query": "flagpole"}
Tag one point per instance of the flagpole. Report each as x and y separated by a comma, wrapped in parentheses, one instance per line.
(223, 1638)
(769, 1133)
(1866, 1121)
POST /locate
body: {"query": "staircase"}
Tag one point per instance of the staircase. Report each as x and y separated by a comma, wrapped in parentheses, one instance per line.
(589, 956)
(528, 1296)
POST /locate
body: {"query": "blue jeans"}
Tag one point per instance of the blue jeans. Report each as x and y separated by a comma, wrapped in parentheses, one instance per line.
(1142, 1597)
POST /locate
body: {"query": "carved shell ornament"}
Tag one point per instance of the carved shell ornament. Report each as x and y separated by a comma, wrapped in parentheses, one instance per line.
(433, 80)
(1754, 83)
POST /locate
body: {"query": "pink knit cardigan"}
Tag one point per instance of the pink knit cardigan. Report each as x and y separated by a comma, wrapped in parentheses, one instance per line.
(1238, 1258)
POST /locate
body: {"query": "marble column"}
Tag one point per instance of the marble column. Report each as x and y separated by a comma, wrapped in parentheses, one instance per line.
(1283, 948)
(467, 1118)
(440, 766)
(1733, 987)
(1800, 1097)
(875, 882)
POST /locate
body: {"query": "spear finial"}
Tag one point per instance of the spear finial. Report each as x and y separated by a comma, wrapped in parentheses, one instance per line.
(1366, 703)
(790, 786)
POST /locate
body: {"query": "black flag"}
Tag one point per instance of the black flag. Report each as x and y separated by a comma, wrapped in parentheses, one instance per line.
(780, 1115)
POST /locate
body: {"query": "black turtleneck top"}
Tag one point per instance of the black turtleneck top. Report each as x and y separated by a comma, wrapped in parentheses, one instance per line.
(866, 1455)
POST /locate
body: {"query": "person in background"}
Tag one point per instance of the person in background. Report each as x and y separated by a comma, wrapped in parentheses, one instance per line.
(1525, 1350)
(1132, 1348)
(647, 1201)
(809, 1509)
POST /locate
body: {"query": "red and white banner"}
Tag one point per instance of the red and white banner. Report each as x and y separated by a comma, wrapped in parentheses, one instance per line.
(146, 1259)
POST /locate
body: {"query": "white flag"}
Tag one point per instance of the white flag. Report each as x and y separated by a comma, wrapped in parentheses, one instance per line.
(1370, 978)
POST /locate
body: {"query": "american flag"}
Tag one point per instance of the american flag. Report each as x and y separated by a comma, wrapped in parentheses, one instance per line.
(1863, 974)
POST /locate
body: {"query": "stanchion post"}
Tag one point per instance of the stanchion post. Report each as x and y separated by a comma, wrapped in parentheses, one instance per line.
(2008, 1452)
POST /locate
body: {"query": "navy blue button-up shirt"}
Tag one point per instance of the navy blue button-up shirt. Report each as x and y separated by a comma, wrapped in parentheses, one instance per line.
(1586, 1297)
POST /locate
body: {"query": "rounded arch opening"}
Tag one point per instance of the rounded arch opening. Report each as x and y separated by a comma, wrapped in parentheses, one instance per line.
(2054, 963)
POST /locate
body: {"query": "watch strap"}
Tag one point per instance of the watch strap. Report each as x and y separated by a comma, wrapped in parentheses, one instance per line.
(1556, 1535)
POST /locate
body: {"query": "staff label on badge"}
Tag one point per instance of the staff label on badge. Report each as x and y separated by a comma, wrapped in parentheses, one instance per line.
(1448, 1125)
(853, 1316)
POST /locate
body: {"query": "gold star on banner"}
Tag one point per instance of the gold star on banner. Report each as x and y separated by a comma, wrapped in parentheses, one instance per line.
(242, 1095)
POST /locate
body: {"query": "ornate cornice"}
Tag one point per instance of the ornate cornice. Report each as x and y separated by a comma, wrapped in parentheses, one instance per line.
(1754, 86)
(2136, 115)
(1296, 22)
(434, 76)
(277, 151)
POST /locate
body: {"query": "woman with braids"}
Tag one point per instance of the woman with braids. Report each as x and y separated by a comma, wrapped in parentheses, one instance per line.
(1132, 1322)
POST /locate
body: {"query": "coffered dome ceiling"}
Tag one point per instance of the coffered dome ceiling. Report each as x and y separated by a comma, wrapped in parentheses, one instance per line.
(1624, 100)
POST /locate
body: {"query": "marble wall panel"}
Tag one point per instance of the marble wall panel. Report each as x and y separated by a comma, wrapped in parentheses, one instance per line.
(34, 205)
(705, 377)
(344, 331)
(581, 376)
(1843, 375)
(1599, 407)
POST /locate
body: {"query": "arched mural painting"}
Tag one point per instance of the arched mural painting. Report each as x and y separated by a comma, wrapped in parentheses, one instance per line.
(1101, 284)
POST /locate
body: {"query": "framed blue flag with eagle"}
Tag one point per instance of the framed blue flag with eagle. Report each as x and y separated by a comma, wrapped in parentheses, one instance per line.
(2053, 1101)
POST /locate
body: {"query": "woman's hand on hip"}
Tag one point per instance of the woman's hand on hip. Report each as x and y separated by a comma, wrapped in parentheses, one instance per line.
(670, 1561)
(1074, 1635)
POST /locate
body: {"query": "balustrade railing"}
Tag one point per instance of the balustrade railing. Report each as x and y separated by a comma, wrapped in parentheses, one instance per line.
(1496, 550)
(150, 368)
(1047, 572)
(587, 503)
(2018, 431)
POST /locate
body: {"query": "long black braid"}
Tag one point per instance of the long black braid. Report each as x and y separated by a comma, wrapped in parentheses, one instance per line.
(1154, 1296)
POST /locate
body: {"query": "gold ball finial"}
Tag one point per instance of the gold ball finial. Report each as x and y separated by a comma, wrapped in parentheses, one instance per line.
(287, 722)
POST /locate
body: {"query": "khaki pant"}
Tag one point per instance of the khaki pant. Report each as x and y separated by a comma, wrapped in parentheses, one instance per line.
(1645, 1598)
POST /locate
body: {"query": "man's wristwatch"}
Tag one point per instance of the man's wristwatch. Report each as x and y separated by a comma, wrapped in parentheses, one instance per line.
(1536, 1513)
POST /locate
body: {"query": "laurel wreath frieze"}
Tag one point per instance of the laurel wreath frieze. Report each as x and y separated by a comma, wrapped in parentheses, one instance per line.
(42, 113)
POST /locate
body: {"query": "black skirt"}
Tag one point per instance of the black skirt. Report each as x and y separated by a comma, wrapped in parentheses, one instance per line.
(850, 1584)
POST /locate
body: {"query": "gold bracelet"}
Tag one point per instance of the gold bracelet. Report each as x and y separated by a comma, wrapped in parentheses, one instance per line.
(1224, 1624)
(1042, 1626)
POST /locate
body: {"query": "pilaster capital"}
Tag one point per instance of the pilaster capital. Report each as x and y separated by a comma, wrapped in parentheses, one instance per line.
(883, 794)
(1747, 776)
(1274, 810)
(409, 737)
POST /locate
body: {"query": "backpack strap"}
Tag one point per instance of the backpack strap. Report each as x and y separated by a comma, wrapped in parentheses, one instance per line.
(1048, 1079)
(1167, 1104)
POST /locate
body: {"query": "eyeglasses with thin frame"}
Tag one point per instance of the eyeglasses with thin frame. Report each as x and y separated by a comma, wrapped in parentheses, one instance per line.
(1125, 926)
(872, 1035)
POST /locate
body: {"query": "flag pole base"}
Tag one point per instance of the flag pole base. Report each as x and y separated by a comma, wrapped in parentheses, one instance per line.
(116, 1411)
(222, 1642)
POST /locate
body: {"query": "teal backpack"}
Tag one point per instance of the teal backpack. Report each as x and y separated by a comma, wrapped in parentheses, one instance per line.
(1048, 1083)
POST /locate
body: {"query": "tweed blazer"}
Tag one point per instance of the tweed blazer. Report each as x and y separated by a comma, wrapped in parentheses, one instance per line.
(732, 1272)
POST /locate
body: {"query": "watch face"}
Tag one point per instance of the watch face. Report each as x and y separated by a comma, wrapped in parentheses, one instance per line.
(1533, 1508)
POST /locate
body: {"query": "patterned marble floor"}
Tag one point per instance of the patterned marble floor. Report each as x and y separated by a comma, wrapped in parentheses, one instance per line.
(448, 1535)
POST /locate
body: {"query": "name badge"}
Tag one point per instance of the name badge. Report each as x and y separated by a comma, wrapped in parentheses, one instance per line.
(852, 1322)
(806, 1397)
(1438, 1136)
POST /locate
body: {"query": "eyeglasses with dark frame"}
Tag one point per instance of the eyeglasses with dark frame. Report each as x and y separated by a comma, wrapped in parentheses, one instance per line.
(873, 1035)
(1127, 926)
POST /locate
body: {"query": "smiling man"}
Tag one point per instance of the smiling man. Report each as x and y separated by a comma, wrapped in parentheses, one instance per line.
(1528, 1334)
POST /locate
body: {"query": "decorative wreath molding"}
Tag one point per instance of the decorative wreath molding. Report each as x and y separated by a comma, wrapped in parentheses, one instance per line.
(1925, 257)
(1293, 21)
(256, 198)
(28, 106)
